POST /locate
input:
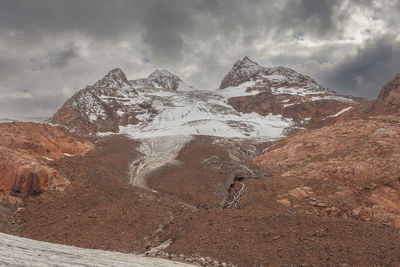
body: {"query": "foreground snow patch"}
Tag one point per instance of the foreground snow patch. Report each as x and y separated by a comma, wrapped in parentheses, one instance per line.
(17, 251)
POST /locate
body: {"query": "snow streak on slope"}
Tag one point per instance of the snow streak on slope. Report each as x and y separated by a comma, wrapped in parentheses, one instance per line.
(339, 113)
(17, 251)
(203, 113)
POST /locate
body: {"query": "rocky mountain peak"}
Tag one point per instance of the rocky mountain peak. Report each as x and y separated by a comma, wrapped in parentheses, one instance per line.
(245, 63)
(162, 74)
(113, 79)
(162, 79)
(242, 71)
(269, 78)
(108, 103)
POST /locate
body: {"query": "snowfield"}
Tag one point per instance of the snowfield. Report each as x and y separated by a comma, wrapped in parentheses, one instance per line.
(17, 251)
(203, 113)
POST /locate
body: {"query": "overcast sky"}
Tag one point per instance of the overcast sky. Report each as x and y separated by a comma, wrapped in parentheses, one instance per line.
(50, 48)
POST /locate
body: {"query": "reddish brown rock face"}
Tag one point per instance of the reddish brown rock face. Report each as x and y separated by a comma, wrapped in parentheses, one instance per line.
(388, 100)
(304, 113)
(361, 156)
(25, 150)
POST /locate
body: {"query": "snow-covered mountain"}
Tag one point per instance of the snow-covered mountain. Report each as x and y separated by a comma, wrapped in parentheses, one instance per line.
(278, 81)
(162, 79)
(253, 101)
(110, 102)
(281, 90)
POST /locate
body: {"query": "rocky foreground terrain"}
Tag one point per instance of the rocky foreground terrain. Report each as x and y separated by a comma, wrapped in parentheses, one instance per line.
(298, 175)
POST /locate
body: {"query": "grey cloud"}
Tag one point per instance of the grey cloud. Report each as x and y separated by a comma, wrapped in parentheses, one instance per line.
(316, 17)
(96, 18)
(373, 65)
(74, 42)
(165, 22)
(55, 59)
(30, 106)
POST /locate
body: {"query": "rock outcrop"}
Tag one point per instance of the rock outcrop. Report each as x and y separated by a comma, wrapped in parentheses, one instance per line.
(388, 100)
(25, 151)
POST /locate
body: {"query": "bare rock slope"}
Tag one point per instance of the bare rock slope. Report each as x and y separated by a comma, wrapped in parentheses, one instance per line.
(360, 156)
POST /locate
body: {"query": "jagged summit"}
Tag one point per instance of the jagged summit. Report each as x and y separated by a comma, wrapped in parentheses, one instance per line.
(274, 79)
(108, 103)
(114, 79)
(246, 62)
(162, 79)
(242, 71)
(162, 74)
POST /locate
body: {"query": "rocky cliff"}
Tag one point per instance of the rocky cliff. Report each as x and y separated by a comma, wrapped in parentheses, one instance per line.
(388, 100)
(25, 151)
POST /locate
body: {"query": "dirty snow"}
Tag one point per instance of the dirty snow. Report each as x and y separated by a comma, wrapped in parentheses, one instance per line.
(156, 152)
(17, 251)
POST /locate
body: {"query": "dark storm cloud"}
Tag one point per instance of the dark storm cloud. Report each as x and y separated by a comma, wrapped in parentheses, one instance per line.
(48, 47)
(373, 65)
(165, 23)
(316, 17)
(96, 18)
